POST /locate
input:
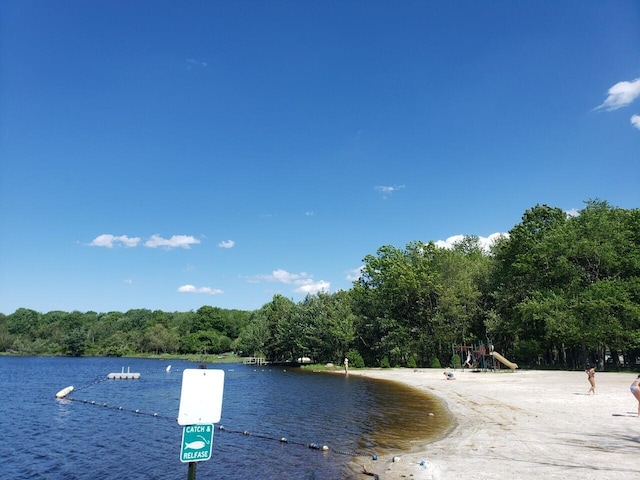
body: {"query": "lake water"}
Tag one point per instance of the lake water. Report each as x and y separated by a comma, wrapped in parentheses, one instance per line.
(97, 433)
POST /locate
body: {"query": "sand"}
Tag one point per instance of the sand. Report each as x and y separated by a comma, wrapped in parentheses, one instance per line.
(521, 425)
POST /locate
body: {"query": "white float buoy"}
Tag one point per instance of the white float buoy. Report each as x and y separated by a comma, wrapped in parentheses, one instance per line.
(168, 369)
(64, 392)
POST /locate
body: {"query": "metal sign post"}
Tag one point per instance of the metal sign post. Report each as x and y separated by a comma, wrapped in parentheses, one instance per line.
(191, 474)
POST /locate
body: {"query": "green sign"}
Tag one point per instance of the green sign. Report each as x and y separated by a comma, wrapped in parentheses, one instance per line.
(196, 443)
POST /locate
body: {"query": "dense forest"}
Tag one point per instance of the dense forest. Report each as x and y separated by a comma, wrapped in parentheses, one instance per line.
(558, 291)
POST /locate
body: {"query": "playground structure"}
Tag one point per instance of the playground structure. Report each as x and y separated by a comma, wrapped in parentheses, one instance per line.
(483, 357)
(504, 361)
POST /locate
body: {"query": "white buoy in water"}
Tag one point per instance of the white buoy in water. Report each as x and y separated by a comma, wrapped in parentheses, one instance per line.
(64, 392)
(168, 368)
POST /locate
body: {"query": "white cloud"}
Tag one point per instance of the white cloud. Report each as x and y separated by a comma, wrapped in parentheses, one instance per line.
(449, 242)
(386, 190)
(355, 274)
(485, 242)
(283, 276)
(310, 213)
(193, 63)
(128, 281)
(182, 241)
(491, 239)
(109, 241)
(312, 288)
(194, 289)
(635, 121)
(303, 282)
(226, 244)
(621, 95)
(573, 212)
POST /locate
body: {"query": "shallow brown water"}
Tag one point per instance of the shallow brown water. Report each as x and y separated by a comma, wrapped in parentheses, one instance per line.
(402, 420)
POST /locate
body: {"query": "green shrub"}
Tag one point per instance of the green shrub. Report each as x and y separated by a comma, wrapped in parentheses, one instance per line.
(411, 363)
(355, 359)
(435, 363)
(456, 362)
(384, 363)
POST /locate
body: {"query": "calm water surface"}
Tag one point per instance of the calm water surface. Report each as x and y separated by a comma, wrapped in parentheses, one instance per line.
(89, 437)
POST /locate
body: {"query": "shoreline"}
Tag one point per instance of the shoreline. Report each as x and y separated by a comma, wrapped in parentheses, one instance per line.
(525, 425)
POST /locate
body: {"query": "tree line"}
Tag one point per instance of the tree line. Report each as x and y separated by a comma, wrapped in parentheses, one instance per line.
(558, 291)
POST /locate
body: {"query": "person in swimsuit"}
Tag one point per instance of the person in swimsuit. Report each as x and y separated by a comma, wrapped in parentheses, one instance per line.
(591, 375)
(468, 361)
(635, 391)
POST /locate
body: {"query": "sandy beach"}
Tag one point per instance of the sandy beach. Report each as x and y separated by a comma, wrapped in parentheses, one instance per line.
(521, 425)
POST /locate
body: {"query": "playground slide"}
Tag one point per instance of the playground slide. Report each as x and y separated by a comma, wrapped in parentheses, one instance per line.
(503, 360)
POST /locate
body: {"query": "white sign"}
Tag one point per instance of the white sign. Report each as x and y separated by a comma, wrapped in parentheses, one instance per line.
(201, 396)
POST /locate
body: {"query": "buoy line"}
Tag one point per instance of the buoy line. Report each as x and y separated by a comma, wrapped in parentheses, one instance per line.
(92, 383)
(221, 428)
(119, 408)
(311, 446)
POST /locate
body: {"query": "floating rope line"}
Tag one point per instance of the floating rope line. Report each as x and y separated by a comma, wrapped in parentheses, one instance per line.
(221, 428)
(311, 446)
(94, 382)
(119, 408)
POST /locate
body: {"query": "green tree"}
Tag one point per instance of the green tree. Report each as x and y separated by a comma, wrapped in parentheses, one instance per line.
(159, 339)
(24, 322)
(339, 326)
(209, 318)
(6, 338)
(278, 316)
(523, 264)
(75, 342)
(568, 284)
(254, 337)
(396, 298)
(459, 318)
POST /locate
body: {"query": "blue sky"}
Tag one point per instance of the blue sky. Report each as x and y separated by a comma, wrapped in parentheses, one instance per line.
(169, 155)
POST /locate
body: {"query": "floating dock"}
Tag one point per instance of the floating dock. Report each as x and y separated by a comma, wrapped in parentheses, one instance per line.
(128, 375)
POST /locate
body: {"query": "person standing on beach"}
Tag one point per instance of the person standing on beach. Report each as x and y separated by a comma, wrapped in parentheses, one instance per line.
(346, 366)
(635, 391)
(591, 376)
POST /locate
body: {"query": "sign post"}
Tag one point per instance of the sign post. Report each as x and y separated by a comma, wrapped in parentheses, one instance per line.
(191, 474)
(200, 407)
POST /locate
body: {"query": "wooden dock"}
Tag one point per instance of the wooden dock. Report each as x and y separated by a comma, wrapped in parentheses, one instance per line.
(255, 361)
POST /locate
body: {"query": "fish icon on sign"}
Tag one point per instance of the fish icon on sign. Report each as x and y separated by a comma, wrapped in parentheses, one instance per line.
(197, 445)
